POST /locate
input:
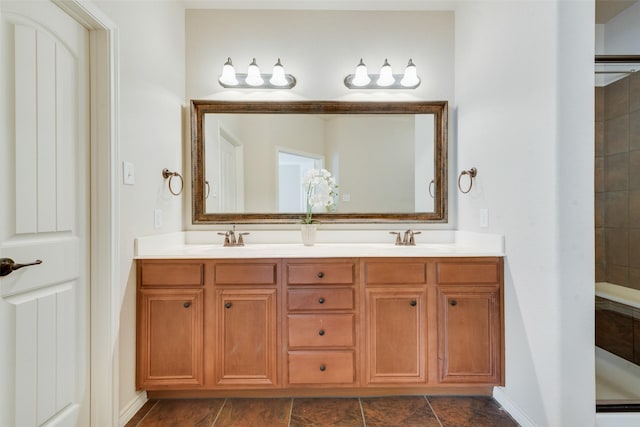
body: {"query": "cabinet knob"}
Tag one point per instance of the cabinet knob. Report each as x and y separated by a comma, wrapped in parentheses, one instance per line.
(186, 304)
(321, 300)
(323, 368)
(413, 303)
(321, 275)
(227, 305)
(453, 303)
(321, 332)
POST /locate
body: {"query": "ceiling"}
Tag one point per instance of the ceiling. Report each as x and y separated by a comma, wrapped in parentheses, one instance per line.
(607, 9)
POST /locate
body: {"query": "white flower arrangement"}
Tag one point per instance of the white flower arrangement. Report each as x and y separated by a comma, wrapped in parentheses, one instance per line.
(321, 191)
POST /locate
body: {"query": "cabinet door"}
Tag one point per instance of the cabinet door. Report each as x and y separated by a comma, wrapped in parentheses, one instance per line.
(170, 338)
(395, 335)
(469, 334)
(247, 347)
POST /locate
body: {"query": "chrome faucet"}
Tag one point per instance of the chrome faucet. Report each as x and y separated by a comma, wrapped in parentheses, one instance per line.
(230, 237)
(408, 239)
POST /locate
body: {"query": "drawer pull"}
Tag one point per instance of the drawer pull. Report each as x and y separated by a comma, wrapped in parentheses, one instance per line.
(321, 332)
(413, 303)
(321, 300)
(323, 368)
(453, 303)
(227, 305)
(321, 275)
(186, 304)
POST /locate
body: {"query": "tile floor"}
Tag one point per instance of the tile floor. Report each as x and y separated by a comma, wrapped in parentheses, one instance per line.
(428, 411)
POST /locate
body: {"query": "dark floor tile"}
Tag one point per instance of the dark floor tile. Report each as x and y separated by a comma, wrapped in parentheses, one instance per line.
(326, 412)
(470, 412)
(398, 411)
(142, 412)
(183, 413)
(255, 413)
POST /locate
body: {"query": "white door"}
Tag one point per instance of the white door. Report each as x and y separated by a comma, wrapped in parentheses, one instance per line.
(44, 152)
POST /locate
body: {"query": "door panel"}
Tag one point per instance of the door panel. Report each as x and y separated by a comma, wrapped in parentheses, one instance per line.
(44, 132)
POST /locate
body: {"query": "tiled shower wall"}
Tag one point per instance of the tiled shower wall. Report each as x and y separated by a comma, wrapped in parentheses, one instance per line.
(617, 182)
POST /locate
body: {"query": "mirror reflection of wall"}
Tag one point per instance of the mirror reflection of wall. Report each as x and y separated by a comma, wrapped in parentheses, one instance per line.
(382, 163)
(291, 168)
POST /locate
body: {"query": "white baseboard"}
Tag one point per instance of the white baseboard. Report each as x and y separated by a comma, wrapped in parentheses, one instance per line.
(132, 408)
(514, 410)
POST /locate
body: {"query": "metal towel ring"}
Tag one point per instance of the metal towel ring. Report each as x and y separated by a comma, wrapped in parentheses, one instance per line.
(472, 174)
(166, 173)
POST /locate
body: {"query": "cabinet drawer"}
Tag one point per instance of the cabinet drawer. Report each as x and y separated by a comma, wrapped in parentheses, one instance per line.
(321, 367)
(468, 272)
(317, 273)
(395, 272)
(331, 330)
(246, 274)
(172, 274)
(320, 299)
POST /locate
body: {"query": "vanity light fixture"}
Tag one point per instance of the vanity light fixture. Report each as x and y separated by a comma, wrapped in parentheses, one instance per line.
(254, 79)
(385, 79)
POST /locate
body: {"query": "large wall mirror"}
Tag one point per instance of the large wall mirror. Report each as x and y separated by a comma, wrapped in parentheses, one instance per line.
(389, 160)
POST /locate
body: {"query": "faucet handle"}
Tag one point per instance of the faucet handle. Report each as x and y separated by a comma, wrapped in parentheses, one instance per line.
(226, 238)
(240, 239)
(398, 241)
(412, 240)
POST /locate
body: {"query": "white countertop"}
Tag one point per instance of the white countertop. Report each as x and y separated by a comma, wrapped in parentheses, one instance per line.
(436, 244)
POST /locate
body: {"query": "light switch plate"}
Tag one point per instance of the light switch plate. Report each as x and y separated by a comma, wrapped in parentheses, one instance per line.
(128, 173)
(484, 217)
(157, 218)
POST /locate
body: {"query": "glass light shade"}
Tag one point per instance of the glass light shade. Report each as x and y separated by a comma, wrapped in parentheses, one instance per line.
(361, 77)
(253, 74)
(277, 77)
(386, 75)
(228, 75)
(410, 77)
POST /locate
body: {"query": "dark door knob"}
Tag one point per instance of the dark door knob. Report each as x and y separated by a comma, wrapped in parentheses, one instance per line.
(320, 275)
(321, 332)
(8, 266)
(413, 303)
(227, 305)
(323, 368)
(453, 303)
(321, 300)
(186, 304)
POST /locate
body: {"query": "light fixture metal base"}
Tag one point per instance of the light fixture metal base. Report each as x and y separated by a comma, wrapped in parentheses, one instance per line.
(348, 82)
(242, 82)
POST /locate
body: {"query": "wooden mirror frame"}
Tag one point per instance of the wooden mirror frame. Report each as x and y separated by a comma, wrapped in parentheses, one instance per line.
(201, 107)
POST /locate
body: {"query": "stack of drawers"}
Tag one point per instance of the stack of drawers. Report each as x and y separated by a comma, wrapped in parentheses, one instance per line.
(321, 322)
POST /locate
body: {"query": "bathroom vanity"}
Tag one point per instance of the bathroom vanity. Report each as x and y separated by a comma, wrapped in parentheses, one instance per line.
(236, 321)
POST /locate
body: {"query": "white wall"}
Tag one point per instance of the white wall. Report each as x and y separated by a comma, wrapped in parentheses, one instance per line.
(524, 113)
(151, 96)
(524, 98)
(320, 48)
(622, 33)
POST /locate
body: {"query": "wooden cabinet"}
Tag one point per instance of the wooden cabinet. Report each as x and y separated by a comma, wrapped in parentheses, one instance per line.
(246, 330)
(321, 323)
(246, 351)
(470, 324)
(170, 327)
(396, 322)
(330, 326)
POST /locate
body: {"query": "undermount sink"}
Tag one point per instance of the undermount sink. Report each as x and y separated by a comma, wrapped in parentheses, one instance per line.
(297, 250)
